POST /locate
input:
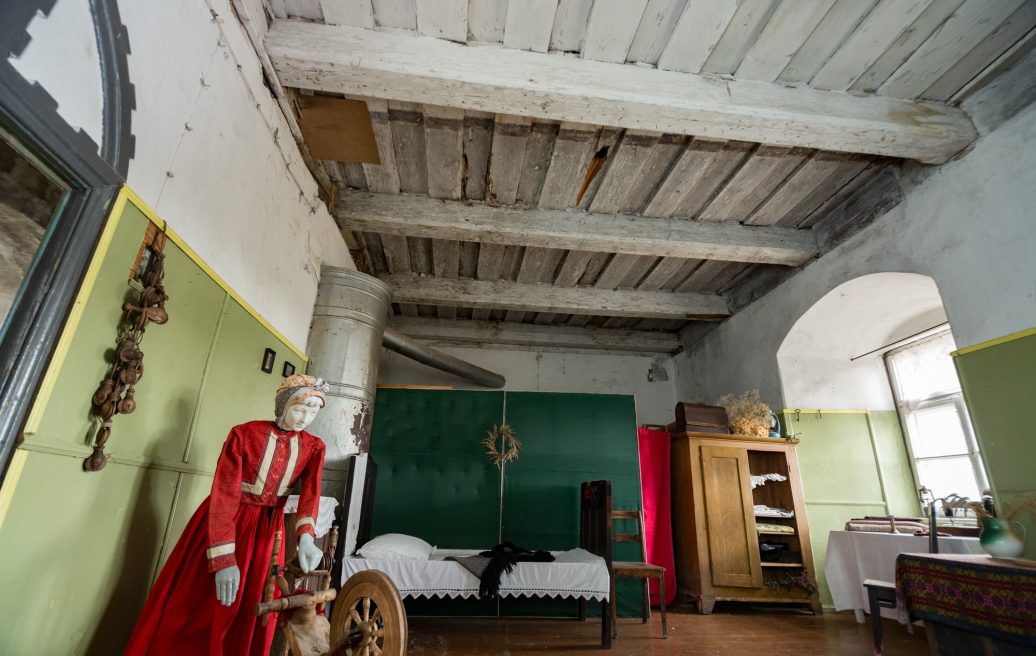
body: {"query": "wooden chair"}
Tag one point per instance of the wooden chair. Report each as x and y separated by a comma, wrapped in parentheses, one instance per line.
(637, 570)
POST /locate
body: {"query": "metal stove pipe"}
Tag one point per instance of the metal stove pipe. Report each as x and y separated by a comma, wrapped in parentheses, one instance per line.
(396, 341)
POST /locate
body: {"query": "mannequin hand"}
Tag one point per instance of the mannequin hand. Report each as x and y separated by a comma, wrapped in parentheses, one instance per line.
(309, 553)
(228, 580)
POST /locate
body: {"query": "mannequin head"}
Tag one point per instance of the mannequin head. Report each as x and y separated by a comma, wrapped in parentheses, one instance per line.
(300, 414)
(298, 400)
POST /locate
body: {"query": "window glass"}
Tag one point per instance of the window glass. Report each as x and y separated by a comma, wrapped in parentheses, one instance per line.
(28, 199)
(938, 432)
(926, 369)
(945, 476)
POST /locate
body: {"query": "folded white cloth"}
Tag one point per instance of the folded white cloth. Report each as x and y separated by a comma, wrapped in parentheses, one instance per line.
(325, 515)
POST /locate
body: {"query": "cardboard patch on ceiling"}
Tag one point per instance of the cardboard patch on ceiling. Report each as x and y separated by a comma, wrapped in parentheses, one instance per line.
(338, 129)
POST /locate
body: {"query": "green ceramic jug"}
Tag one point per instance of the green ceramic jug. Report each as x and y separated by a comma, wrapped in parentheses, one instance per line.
(998, 540)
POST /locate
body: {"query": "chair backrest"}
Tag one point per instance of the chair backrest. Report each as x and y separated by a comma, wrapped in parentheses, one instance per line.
(595, 519)
(630, 519)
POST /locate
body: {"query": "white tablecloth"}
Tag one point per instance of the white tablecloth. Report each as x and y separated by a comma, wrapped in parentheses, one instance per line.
(853, 556)
(573, 574)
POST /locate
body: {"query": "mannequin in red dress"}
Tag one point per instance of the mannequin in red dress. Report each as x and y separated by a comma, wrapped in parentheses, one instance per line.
(228, 542)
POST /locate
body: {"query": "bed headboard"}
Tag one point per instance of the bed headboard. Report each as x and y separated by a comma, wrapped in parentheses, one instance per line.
(354, 515)
(595, 519)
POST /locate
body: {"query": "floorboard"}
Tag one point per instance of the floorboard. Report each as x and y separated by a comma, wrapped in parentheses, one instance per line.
(734, 629)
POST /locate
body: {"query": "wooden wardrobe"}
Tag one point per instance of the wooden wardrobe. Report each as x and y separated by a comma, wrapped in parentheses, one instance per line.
(715, 530)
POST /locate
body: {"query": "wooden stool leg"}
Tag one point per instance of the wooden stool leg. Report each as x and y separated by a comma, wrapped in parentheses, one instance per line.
(661, 603)
(582, 609)
(614, 613)
(645, 600)
(872, 596)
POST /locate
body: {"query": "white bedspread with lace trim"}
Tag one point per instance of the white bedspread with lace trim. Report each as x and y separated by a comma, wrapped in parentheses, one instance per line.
(575, 574)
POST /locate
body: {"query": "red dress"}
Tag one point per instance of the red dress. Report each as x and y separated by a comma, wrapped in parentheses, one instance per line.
(234, 526)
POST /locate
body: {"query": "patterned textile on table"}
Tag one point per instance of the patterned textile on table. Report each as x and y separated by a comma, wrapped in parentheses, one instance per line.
(972, 592)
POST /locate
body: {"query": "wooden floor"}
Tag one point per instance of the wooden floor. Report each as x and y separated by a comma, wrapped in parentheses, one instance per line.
(736, 630)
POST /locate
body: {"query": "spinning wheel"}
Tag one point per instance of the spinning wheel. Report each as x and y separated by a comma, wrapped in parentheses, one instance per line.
(368, 618)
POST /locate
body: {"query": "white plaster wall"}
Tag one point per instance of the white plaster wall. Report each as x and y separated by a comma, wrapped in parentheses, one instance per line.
(969, 225)
(214, 157)
(531, 371)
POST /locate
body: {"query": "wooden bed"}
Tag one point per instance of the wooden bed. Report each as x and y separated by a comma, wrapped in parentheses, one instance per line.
(583, 573)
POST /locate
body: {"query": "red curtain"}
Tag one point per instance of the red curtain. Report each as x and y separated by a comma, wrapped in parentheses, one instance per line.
(658, 529)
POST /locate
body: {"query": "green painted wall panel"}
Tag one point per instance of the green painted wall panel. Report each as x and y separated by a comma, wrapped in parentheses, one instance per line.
(235, 388)
(174, 356)
(840, 476)
(999, 384)
(78, 552)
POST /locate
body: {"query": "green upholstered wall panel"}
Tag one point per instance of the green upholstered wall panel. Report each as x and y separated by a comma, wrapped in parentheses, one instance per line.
(82, 549)
(434, 480)
(568, 439)
(999, 384)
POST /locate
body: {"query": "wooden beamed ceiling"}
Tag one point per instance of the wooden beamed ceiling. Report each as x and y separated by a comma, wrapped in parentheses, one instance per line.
(734, 152)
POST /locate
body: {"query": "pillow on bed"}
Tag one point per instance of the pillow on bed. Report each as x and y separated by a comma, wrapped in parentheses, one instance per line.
(396, 546)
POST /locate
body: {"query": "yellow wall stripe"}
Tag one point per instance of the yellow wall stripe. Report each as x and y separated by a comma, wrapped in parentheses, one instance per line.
(176, 239)
(14, 473)
(995, 342)
(75, 315)
(821, 411)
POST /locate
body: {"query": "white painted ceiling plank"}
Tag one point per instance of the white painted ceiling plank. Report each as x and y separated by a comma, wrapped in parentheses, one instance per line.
(478, 140)
(382, 178)
(786, 31)
(486, 20)
(423, 69)
(420, 216)
(308, 9)
(535, 262)
(408, 145)
(754, 182)
(624, 171)
(839, 22)
(697, 32)
(484, 332)
(665, 271)
(657, 25)
(507, 295)
(905, 44)
(653, 173)
(744, 28)
(570, 25)
(444, 151)
(529, 24)
(613, 23)
(538, 152)
(964, 30)
(357, 13)
(400, 14)
(812, 179)
(510, 135)
(878, 31)
(445, 19)
(573, 150)
(1021, 23)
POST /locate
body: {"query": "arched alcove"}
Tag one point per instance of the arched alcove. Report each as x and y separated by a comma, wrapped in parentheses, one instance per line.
(819, 360)
(852, 455)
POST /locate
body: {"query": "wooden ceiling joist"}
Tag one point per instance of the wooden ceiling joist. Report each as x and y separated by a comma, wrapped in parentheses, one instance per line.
(420, 216)
(588, 338)
(506, 295)
(414, 68)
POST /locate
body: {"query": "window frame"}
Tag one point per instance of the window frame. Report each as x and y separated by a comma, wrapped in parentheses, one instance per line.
(906, 409)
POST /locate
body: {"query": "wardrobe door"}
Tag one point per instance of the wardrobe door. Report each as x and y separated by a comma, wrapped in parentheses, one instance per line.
(730, 519)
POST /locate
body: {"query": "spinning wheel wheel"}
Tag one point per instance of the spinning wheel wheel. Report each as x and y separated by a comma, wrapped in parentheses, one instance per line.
(368, 618)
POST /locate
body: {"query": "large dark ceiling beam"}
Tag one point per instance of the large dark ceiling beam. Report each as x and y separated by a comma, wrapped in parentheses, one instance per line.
(420, 216)
(506, 295)
(406, 67)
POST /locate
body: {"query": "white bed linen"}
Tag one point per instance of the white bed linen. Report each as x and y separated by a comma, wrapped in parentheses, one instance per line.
(574, 574)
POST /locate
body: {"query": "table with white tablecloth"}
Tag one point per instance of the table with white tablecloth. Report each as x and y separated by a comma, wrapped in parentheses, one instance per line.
(855, 556)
